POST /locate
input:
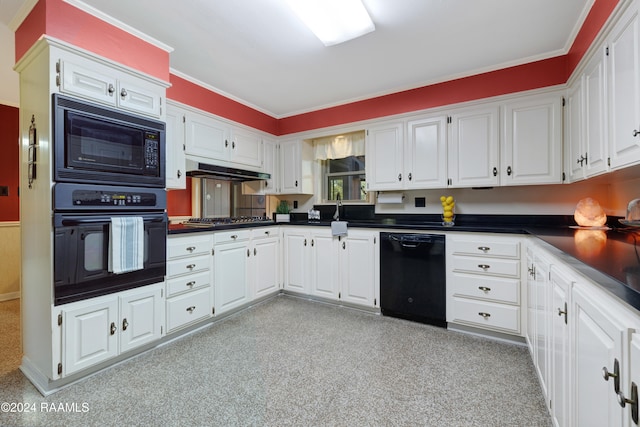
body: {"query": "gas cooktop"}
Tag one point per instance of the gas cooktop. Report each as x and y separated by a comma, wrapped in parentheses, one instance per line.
(213, 222)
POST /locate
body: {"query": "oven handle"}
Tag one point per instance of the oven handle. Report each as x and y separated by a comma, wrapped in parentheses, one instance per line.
(78, 221)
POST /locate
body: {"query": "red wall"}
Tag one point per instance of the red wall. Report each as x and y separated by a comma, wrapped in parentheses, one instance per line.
(9, 162)
(179, 201)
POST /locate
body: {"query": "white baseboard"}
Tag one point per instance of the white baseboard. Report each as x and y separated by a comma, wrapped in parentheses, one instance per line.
(9, 296)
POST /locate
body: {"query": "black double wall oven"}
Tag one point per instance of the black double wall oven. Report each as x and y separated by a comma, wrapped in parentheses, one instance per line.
(108, 170)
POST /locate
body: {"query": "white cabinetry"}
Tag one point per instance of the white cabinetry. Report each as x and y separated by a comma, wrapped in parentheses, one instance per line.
(189, 292)
(586, 146)
(342, 269)
(532, 141)
(99, 329)
(231, 257)
(86, 78)
(559, 346)
(473, 147)
(296, 167)
(264, 263)
(384, 147)
(483, 281)
(175, 158)
(624, 89)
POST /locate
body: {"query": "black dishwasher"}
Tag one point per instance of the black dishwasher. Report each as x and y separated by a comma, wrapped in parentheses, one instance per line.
(413, 277)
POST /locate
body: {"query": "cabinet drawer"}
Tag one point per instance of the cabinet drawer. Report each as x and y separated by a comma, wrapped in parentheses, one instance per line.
(486, 288)
(188, 283)
(188, 308)
(487, 247)
(188, 245)
(504, 318)
(489, 266)
(232, 236)
(177, 267)
(264, 232)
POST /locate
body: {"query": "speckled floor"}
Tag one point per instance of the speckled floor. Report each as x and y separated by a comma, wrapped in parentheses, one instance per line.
(290, 361)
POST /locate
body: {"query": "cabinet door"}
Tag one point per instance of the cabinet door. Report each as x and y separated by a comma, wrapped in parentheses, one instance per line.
(175, 159)
(473, 148)
(425, 153)
(90, 333)
(543, 321)
(266, 266)
(271, 165)
(296, 262)
(137, 98)
(574, 147)
(325, 266)
(532, 141)
(624, 90)
(357, 268)
(384, 145)
(87, 82)
(246, 148)
(207, 137)
(634, 375)
(559, 380)
(531, 307)
(231, 283)
(291, 178)
(597, 344)
(595, 116)
(142, 316)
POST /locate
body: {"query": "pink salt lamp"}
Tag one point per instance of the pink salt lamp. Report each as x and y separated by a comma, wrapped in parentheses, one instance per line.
(589, 213)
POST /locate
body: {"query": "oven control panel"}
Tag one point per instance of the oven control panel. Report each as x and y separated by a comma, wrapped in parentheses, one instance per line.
(87, 197)
(107, 198)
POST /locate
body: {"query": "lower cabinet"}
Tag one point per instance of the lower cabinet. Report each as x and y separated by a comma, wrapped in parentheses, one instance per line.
(337, 268)
(264, 262)
(559, 347)
(230, 269)
(98, 329)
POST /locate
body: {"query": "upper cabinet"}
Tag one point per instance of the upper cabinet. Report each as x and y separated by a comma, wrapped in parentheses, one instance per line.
(531, 143)
(624, 90)
(473, 147)
(175, 140)
(296, 167)
(86, 78)
(384, 148)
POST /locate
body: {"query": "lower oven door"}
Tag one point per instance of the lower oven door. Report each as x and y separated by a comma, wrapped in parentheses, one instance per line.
(81, 254)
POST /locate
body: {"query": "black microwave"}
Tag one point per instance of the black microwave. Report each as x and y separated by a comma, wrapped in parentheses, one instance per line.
(101, 145)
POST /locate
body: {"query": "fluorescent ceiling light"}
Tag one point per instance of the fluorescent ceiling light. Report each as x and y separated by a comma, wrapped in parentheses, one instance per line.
(334, 21)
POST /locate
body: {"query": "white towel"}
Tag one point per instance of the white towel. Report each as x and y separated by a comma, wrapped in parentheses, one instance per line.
(126, 244)
(339, 228)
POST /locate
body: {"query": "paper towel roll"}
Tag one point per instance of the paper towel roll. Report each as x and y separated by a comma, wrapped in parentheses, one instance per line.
(390, 197)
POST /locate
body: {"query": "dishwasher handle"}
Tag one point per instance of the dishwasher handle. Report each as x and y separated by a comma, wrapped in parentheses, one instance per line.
(414, 240)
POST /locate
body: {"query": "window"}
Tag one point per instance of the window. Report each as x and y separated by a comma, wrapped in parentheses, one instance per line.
(345, 178)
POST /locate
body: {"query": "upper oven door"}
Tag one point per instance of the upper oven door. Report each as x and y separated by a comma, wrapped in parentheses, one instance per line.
(81, 254)
(102, 145)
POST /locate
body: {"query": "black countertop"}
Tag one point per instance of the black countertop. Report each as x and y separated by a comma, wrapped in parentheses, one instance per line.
(608, 257)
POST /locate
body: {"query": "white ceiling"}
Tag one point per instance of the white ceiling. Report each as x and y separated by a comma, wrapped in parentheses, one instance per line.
(258, 52)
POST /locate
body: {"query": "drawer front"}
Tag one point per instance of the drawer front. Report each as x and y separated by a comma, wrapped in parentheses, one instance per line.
(489, 266)
(187, 283)
(194, 264)
(188, 308)
(486, 288)
(188, 245)
(264, 232)
(232, 236)
(487, 247)
(486, 315)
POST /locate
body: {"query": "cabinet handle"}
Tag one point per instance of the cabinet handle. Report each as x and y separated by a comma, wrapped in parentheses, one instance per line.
(226, 143)
(409, 176)
(484, 249)
(484, 288)
(267, 232)
(123, 93)
(344, 245)
(305, 242)
(234, 237)
(623, 401)
(399, 177)
(636, 132)
(191, 248)
(532, 271)
(190, 309)
(312, 242)
(248, 253)
(179, 174)
(191, 266)
(561, 312)
(484, 267)
(113, 328)
(484, 315)
(191, 283)
(111, 89)
(495, 171)
(615, 375)
(233, 145)
(125, 324)
(508, 170)
(296, 182)
(255, 251)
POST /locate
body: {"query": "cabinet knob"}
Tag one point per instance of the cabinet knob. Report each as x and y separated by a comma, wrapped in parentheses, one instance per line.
(123, 93)
(191, 309)
(484, 267)
(484, 249)
(111, 89)
(484, 315)
(495, 171)
(509, 170)
(125, 324)
(615, 375)
(113, 328)
(484, 288)
(234, 237)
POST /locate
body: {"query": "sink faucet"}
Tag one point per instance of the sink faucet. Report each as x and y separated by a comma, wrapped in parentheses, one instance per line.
(336, 215)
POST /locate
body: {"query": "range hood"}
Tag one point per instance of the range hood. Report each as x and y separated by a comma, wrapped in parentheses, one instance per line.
(198, 169)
